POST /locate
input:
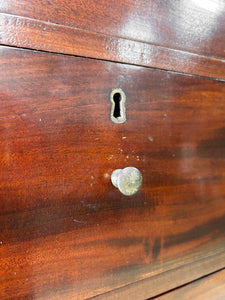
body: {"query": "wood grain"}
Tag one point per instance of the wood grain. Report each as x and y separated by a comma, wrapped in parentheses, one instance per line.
(66, 232)
(194, 26)
(208, 288)
(39, 35)
(166, 281)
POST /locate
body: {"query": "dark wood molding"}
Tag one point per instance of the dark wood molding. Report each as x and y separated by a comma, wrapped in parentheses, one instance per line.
(155, 285)
(207, 288)
(195, 26)
(40, 35)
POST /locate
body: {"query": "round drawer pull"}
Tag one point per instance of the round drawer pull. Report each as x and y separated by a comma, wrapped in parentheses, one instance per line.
(127, 180)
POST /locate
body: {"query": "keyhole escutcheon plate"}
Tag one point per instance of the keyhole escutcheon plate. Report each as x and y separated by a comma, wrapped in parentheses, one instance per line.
(118, 110)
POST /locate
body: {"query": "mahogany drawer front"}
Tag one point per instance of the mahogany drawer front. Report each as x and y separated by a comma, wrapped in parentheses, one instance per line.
(66, 232)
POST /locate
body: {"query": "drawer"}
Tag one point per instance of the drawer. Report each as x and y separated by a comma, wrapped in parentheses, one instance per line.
(66, 231)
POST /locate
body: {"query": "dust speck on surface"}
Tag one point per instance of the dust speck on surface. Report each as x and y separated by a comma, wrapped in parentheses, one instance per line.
(110, 157)
(106, 176)
(124, 137)
(150, 138)
(75, 220)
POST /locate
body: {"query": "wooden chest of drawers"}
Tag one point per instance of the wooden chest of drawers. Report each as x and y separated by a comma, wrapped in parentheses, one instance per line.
(66, 231)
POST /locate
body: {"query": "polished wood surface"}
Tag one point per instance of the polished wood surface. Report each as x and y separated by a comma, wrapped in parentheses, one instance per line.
(196, 26)
(166, 281)
(209, 288)
(66, 232)
(33, 34)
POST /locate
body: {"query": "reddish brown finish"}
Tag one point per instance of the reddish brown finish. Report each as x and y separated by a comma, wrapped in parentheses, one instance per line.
(208, 288)
(166, 281)
(196, 26)
(66, 232)
(33, 34)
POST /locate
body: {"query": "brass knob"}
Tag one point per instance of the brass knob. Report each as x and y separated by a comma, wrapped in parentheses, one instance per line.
(127, 180)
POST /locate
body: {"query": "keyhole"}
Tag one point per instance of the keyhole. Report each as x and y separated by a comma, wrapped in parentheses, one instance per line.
(116, 99)
(118, 111)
